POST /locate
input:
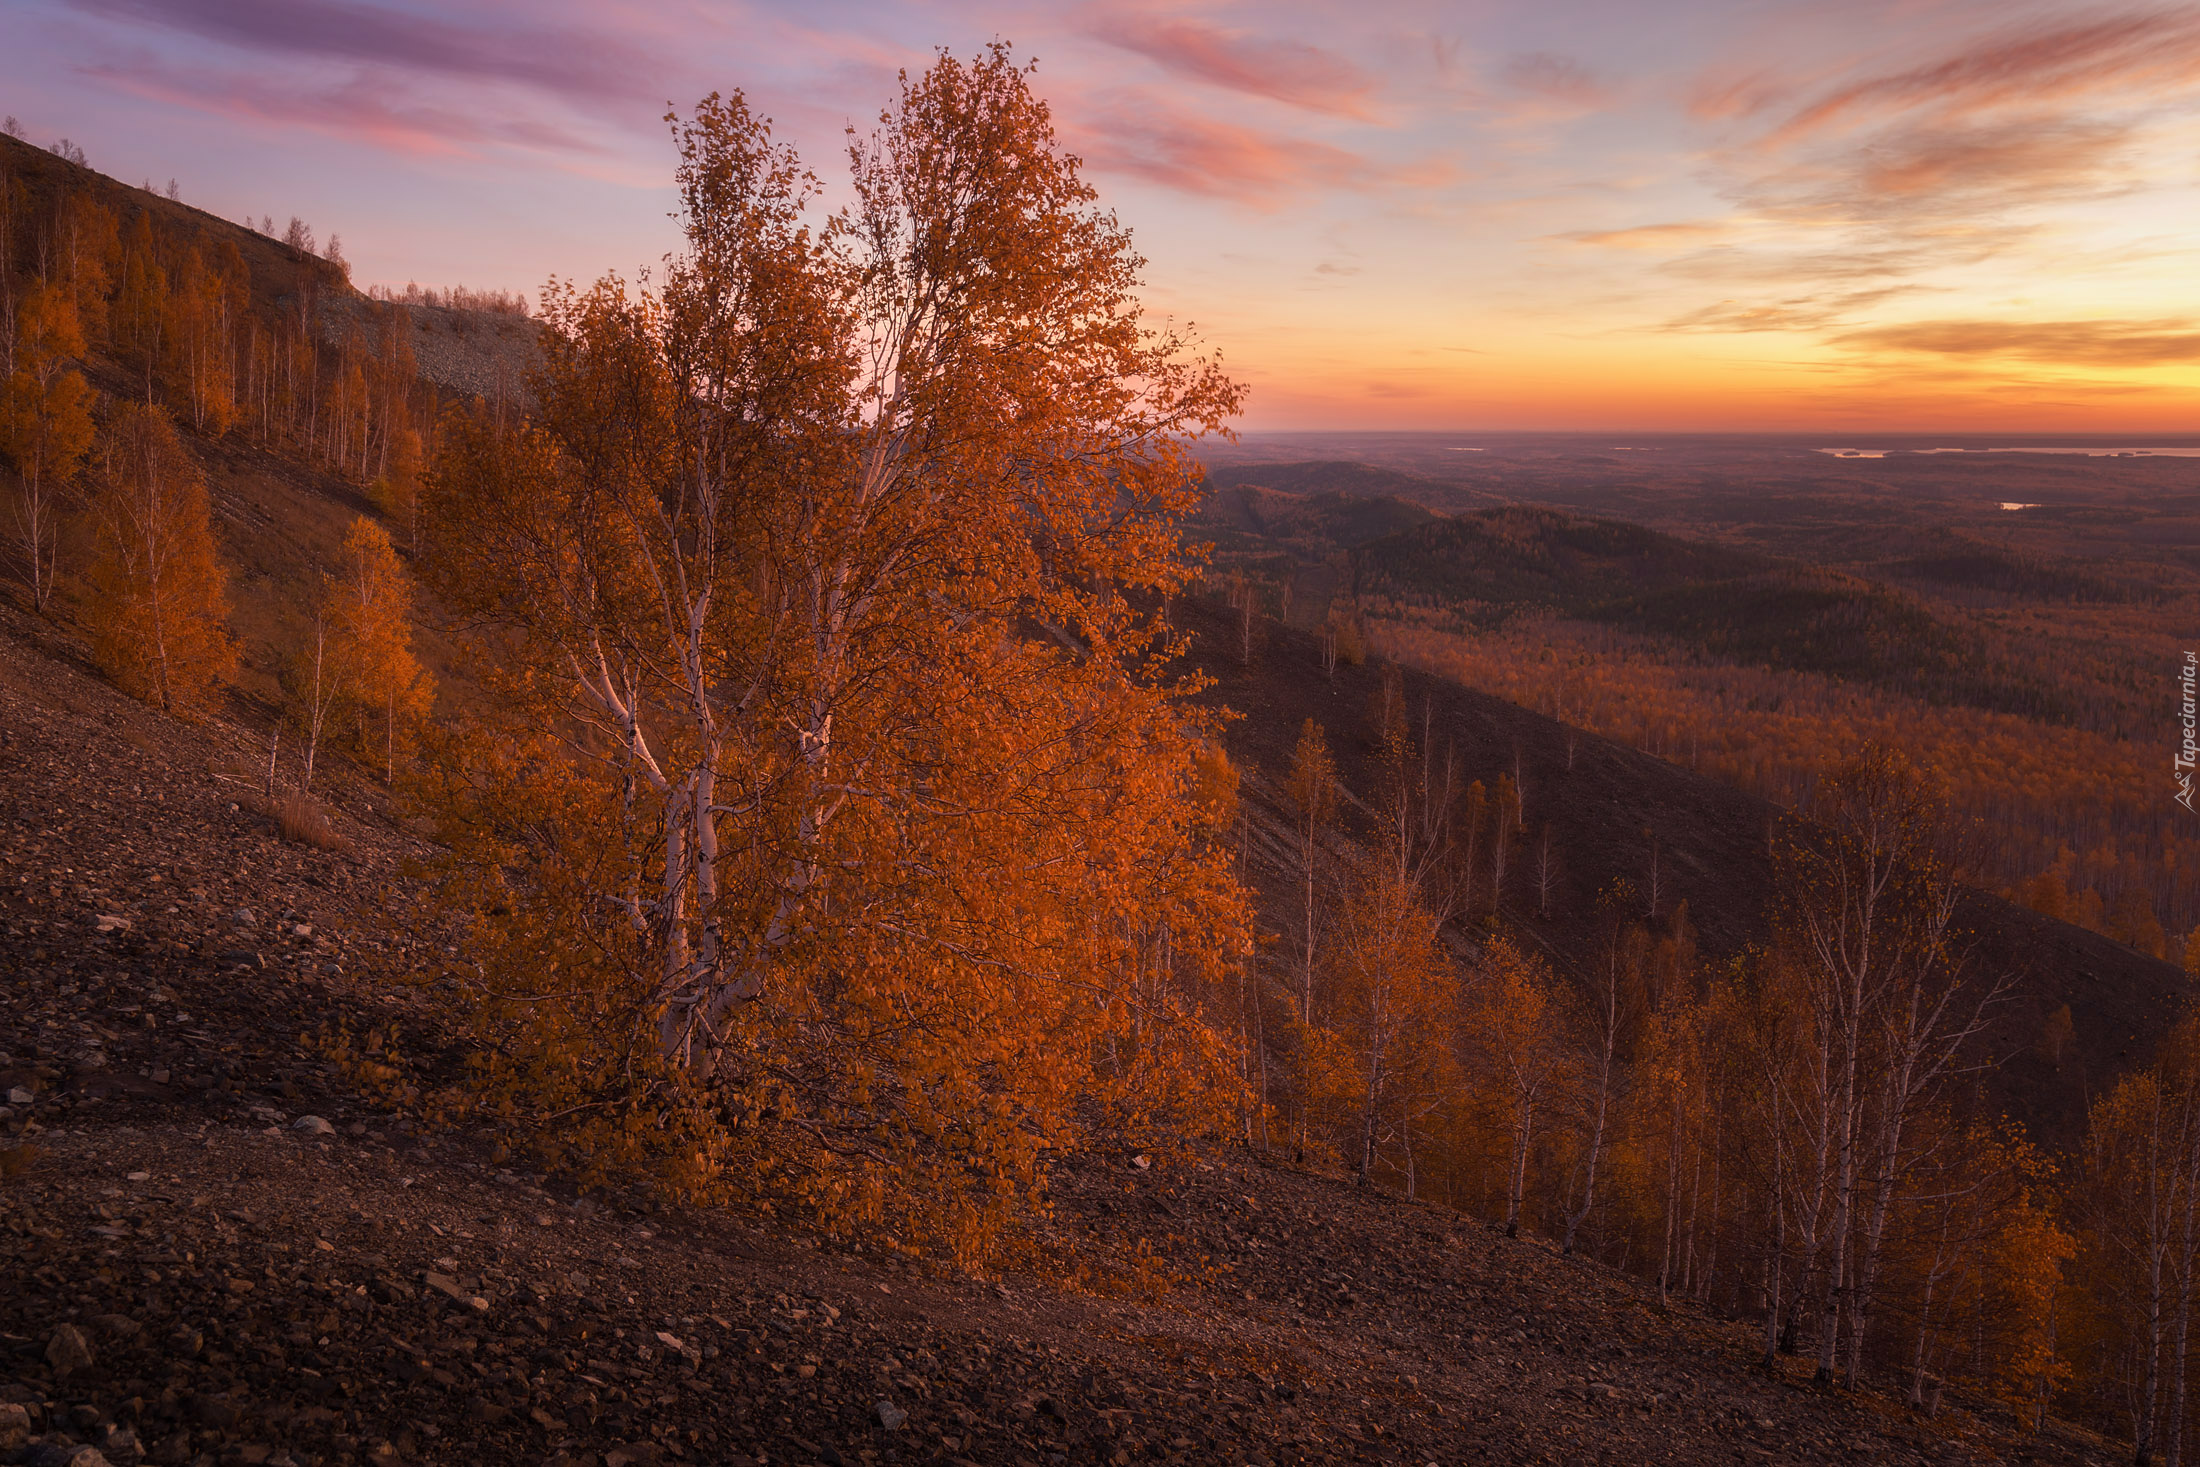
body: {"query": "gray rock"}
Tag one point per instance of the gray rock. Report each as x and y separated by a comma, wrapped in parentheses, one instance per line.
(244, 917)
(68, 1350)
(889, 1415)
(313, 1126)
(17, 1095)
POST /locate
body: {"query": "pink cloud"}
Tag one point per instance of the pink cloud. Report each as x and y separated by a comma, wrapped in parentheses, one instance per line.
(1686, 234)
(1140, 135)
(590, 63)
(1282, 71)
(1729, 98)
(373, 108)
(2048, 157)
(2120, 60)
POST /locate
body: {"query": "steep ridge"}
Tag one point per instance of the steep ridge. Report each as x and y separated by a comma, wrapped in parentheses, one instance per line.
(464, 353)
(281, 277)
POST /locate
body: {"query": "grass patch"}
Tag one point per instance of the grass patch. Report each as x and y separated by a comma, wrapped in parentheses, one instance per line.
(301, 820)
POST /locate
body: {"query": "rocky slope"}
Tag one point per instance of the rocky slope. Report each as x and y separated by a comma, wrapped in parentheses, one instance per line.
(219, 1250)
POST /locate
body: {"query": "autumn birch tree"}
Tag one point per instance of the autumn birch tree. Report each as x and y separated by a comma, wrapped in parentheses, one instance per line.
(1867, 904)
(1520, 1030)
(370, 608)
(45, 427)
(810, 590)
(1312, 790)
(1393, 986)
(159, 601)
(1612, 1002)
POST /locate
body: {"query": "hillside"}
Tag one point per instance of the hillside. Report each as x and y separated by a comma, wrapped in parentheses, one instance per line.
(2021, 661)
(282, 278)
(1479, 569)
(461, 353)
(249, 1284)
(1609, 806)
(1350, 478)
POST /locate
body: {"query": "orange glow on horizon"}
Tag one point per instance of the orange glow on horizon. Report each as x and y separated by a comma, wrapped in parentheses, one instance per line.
(1714, 214)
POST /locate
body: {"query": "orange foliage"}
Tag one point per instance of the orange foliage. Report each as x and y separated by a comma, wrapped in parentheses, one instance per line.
(831, 846)
(45, 426)
(157, 592)
(2054, 798)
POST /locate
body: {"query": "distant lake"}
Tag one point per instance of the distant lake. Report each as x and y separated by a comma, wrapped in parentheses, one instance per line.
(2083, 452)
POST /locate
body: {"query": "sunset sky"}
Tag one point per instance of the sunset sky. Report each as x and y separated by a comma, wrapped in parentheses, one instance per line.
(1691, 214)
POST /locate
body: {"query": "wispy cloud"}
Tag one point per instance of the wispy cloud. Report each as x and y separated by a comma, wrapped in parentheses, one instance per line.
(1683, 234)
(1861, 180)
(1794, 313)
(2007, 120)
(1142, 135)
(374, 108)
(569, 61)
(1290, 72)
(2094, 343)
(1941, 170)
(2033, 70)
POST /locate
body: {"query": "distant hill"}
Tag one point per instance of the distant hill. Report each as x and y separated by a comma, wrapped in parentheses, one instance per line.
(1722, 602)
(1252, 519)
(1960, 565)
(1337, 476)
(1521, 555)
(1804, 619)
